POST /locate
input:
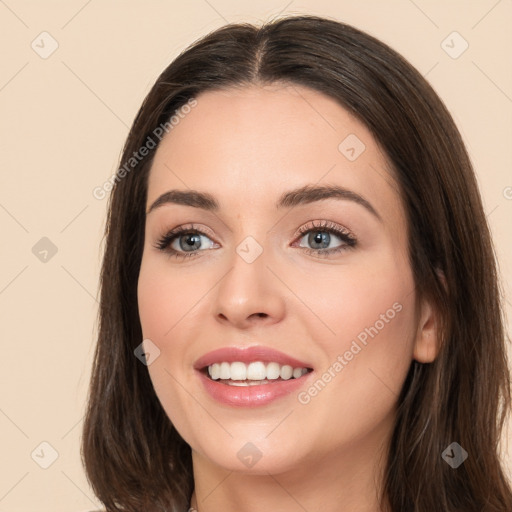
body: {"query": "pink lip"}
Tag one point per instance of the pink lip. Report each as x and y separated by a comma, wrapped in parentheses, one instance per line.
(249, 396)
(248, 355)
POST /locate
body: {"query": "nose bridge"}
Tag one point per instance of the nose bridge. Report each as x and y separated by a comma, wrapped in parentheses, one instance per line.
(249, 290)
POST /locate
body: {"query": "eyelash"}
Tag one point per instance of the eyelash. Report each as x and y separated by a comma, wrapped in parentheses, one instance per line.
(344, 234)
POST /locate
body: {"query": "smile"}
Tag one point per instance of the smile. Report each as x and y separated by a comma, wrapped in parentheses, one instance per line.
(251, 376)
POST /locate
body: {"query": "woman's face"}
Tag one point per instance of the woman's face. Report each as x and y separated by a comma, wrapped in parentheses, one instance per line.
(300, 247)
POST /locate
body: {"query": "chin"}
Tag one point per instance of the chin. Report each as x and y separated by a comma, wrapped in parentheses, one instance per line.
(257, 457)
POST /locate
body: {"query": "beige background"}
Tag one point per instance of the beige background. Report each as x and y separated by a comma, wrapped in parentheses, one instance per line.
(64, 119)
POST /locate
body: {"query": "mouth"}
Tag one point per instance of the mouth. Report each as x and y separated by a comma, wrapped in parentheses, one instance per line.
(252, 376)
(255, 373)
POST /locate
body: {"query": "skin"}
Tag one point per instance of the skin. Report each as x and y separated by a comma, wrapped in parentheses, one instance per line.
(246, 146)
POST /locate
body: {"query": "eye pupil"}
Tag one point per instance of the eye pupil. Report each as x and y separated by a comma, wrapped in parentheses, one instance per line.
(193, 241)
(321, 238)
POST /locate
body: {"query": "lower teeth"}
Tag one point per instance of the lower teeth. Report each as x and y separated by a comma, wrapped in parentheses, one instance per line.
(248, 382)
(245, 382)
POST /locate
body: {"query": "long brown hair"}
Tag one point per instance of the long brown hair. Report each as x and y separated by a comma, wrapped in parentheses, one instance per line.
(134, 457)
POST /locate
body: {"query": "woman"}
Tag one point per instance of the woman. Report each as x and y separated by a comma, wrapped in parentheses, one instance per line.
(300, 306)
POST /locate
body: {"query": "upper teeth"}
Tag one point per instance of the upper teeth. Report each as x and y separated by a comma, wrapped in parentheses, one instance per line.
(254, 371)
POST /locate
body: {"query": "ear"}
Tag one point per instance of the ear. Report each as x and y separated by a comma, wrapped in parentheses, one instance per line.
(427, 343)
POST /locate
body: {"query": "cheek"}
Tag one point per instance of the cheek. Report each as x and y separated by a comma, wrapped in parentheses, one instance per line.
(367, 358)
(366, 333)
(162, 302)
(164, 297)
(152, 295)
(379, 312)
(170, 307)
(373, 346)
(368, 300)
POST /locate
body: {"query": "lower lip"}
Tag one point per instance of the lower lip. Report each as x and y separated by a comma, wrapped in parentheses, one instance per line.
(251, 396)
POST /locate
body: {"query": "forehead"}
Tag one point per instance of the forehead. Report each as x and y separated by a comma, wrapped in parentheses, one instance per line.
(246, 145)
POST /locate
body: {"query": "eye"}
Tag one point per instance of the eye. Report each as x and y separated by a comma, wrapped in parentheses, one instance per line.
(324, 238)
(321, 238)
(185, 241)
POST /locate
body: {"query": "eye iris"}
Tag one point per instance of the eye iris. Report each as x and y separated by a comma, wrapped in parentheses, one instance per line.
(321, 238)
(193, 241)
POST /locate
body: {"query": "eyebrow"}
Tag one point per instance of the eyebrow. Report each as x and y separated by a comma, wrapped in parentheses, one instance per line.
(290, 199)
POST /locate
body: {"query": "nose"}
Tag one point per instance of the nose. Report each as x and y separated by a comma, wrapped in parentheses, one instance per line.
(249, 295)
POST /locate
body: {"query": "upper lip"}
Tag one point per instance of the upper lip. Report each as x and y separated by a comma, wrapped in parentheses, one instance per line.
(248, 355)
